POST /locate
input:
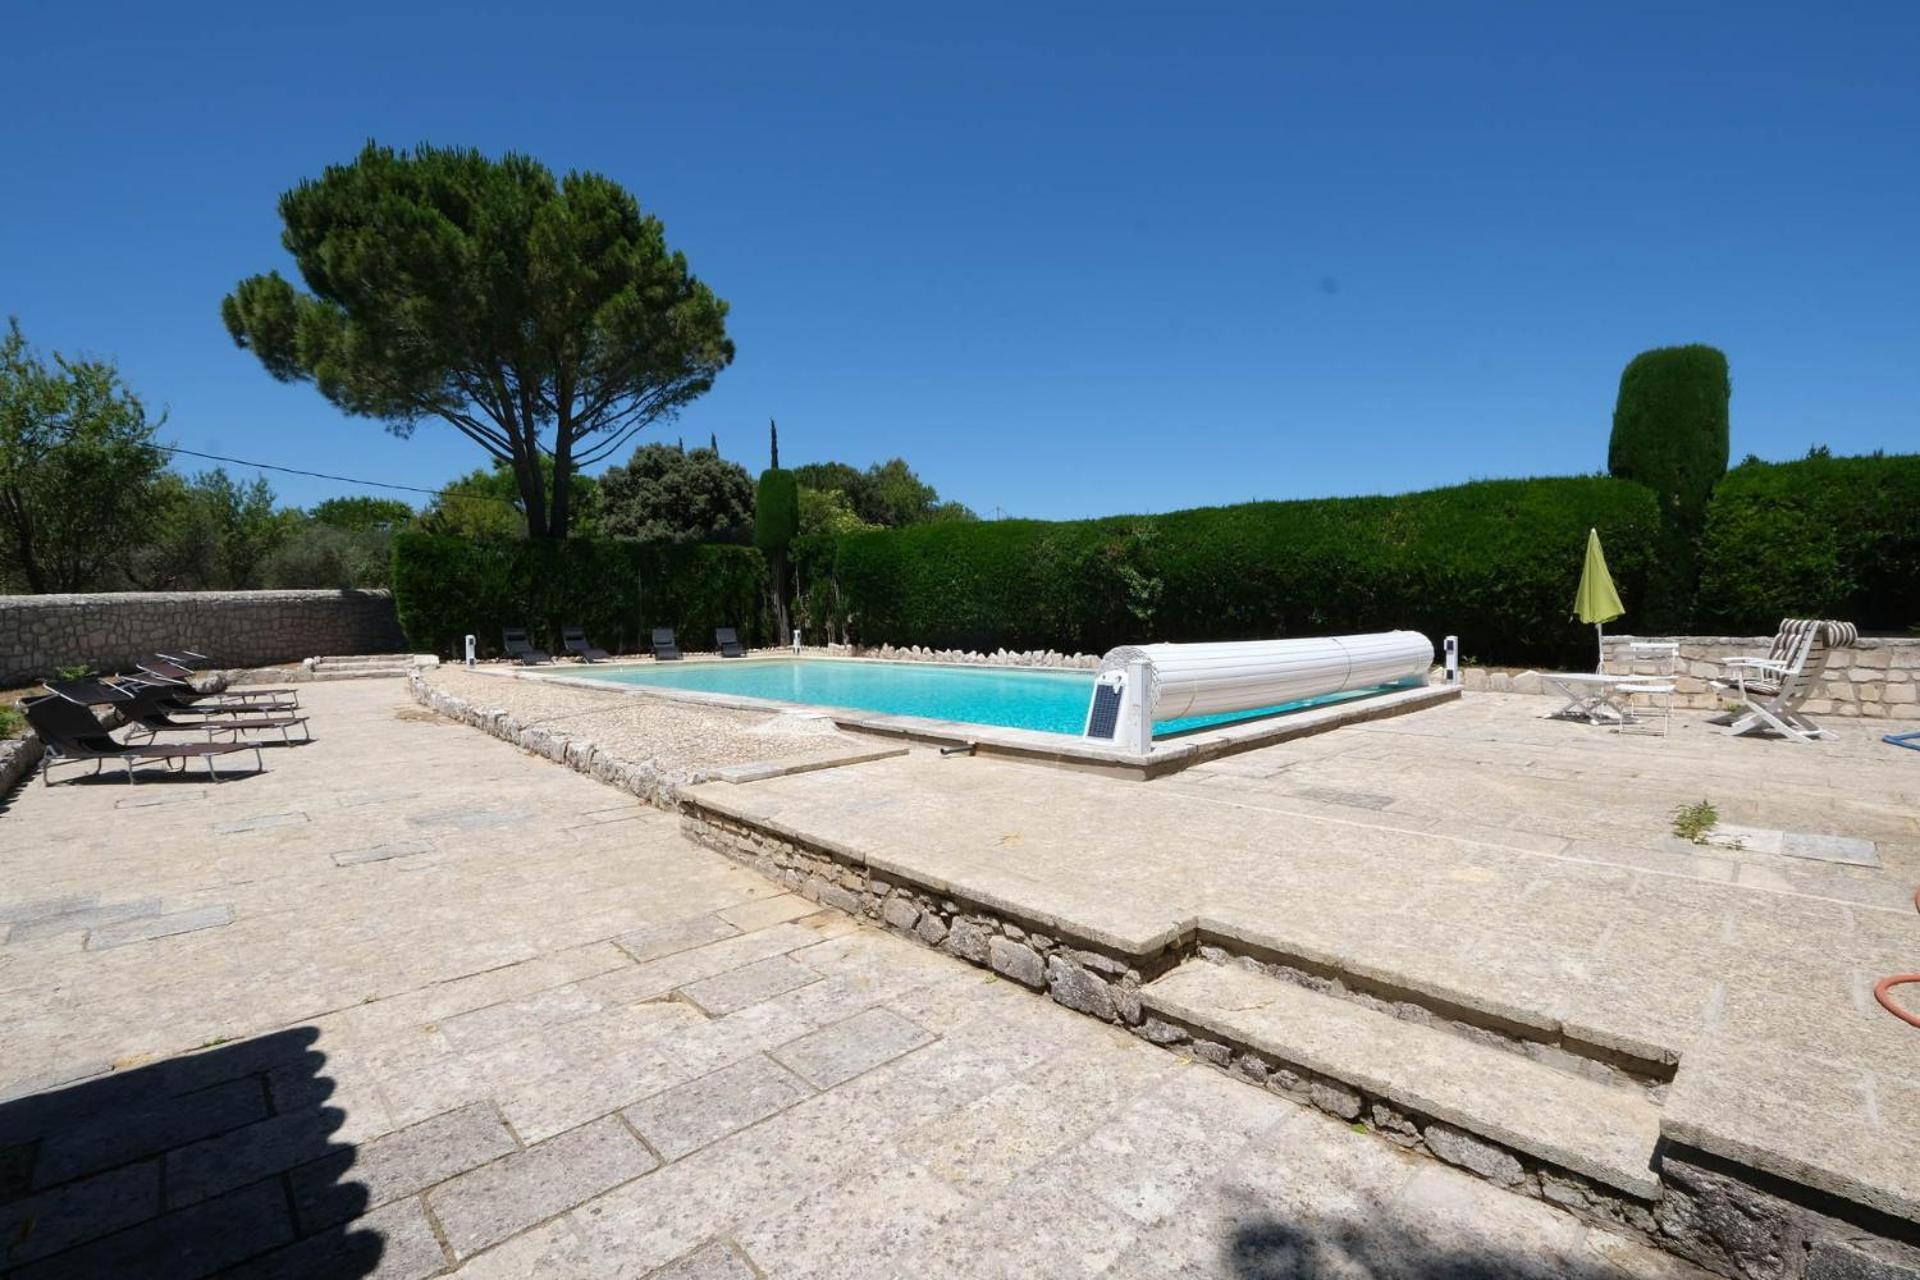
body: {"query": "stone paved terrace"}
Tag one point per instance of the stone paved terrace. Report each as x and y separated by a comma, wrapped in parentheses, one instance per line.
(1475, 865)
(414, 1003)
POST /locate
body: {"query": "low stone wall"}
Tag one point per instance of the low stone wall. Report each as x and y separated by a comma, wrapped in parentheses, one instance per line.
(41, 634)
(17, 758)
(998, 658)
(1878, 677)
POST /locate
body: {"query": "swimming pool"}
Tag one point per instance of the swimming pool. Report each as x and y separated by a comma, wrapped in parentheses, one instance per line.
(1010, 697)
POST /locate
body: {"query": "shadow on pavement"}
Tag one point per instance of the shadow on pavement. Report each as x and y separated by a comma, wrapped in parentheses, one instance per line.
(183, 1168)
(1383, 1249)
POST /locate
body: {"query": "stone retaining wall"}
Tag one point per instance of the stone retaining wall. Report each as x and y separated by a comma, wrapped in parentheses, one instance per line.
(17, 758)
(1879, 679)
(41, 634)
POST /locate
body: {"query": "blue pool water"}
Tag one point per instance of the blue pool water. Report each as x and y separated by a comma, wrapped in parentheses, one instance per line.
(1013, 697)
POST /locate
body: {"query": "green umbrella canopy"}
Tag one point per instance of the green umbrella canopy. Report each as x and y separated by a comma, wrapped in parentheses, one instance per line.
(1596, 601)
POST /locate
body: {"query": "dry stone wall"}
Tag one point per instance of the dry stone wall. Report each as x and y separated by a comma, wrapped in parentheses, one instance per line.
(41, 634)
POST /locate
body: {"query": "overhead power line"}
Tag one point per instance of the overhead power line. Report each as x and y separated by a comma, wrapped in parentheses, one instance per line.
(322, 475)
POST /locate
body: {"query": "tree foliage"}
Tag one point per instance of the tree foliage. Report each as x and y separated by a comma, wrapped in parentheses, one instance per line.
(888, 494)
(1670, 428)
(208, 532)
(668, 493)
(486, 503)
(77, 467)
(359, 512)
(545, 320)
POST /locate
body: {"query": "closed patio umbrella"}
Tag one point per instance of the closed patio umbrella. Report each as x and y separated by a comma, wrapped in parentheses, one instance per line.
(1596, 601)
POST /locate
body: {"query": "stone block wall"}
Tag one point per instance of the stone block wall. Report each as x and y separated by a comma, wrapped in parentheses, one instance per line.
(1878, 678)
(40, 634)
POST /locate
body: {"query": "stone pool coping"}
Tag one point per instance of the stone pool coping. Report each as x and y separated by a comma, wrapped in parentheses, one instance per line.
(1167, 756)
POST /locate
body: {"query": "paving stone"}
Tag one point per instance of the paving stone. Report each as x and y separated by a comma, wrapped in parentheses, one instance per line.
(263, 822)
(83, 918)
(512, 1019)
(846, 1049)
(398, 1164)
(128, 1135)
(717, 1261)
(659, 940)
(737, 989)
(147, 928)
(762, 912)
(507, 1196)
(50, 1079)
(472, 819)
(151, 798)
(382, 852)
(689, 1116)
(555, 1250)
(395, 1242)
(41, 908)
(196, 1241)
(80, 1211)
(214, 1165)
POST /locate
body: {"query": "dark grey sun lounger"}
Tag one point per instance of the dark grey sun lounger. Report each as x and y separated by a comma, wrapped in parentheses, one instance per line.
(576, 643)
(519, 647)
(665, 648)
(158, 668)
(70, 734)
(177, 699)
(727, 641)
(147, 710)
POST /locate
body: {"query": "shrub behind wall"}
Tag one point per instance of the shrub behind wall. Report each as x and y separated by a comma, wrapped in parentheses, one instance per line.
(1820, 538)
(1495, 562)
(446, 587)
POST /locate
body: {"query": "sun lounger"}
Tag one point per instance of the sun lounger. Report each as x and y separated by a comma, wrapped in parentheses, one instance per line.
(147, 711)
(71, 734)
(665, 648)
(177, 699)
(727, 641)
(1773, 690)
(576, 642)
(519, 647)
(159, 667)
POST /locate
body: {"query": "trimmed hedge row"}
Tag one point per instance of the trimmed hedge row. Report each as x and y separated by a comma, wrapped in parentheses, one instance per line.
(1495, 562)
(1820, 538)
(446, 587)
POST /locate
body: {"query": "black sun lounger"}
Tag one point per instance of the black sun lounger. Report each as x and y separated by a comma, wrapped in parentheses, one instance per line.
(158, 668)
(576, 643)
(665, 648)
(519, 647)
(70, 734)
(727, 641)
(148, 711)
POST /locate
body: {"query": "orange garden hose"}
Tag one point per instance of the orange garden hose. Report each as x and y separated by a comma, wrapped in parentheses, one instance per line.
(1883, 990)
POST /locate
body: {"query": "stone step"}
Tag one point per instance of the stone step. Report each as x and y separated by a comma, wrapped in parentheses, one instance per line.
(364, 660)
(1604, 1132)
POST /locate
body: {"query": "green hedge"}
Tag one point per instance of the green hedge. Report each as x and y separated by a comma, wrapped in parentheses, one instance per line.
(1495, 562)
(446, 587)
(1820, 538)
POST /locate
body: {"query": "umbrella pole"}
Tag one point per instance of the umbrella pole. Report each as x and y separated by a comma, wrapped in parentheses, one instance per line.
(1600, 643)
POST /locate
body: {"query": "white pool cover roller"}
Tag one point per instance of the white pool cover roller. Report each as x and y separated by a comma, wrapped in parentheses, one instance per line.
(1139, 684)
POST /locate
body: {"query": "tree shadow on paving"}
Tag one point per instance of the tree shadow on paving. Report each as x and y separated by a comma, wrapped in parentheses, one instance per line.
(185, 1167)
(1267, 1248)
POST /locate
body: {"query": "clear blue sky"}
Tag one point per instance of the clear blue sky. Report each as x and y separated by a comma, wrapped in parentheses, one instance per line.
(1067, 260)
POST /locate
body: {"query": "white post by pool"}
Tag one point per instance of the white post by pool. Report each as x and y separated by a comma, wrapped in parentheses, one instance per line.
(796, 639)
(1138, 685)
(1451, 646)
(470, 649)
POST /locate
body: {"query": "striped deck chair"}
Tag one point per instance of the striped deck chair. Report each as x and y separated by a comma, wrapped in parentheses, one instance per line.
(1773, 690)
